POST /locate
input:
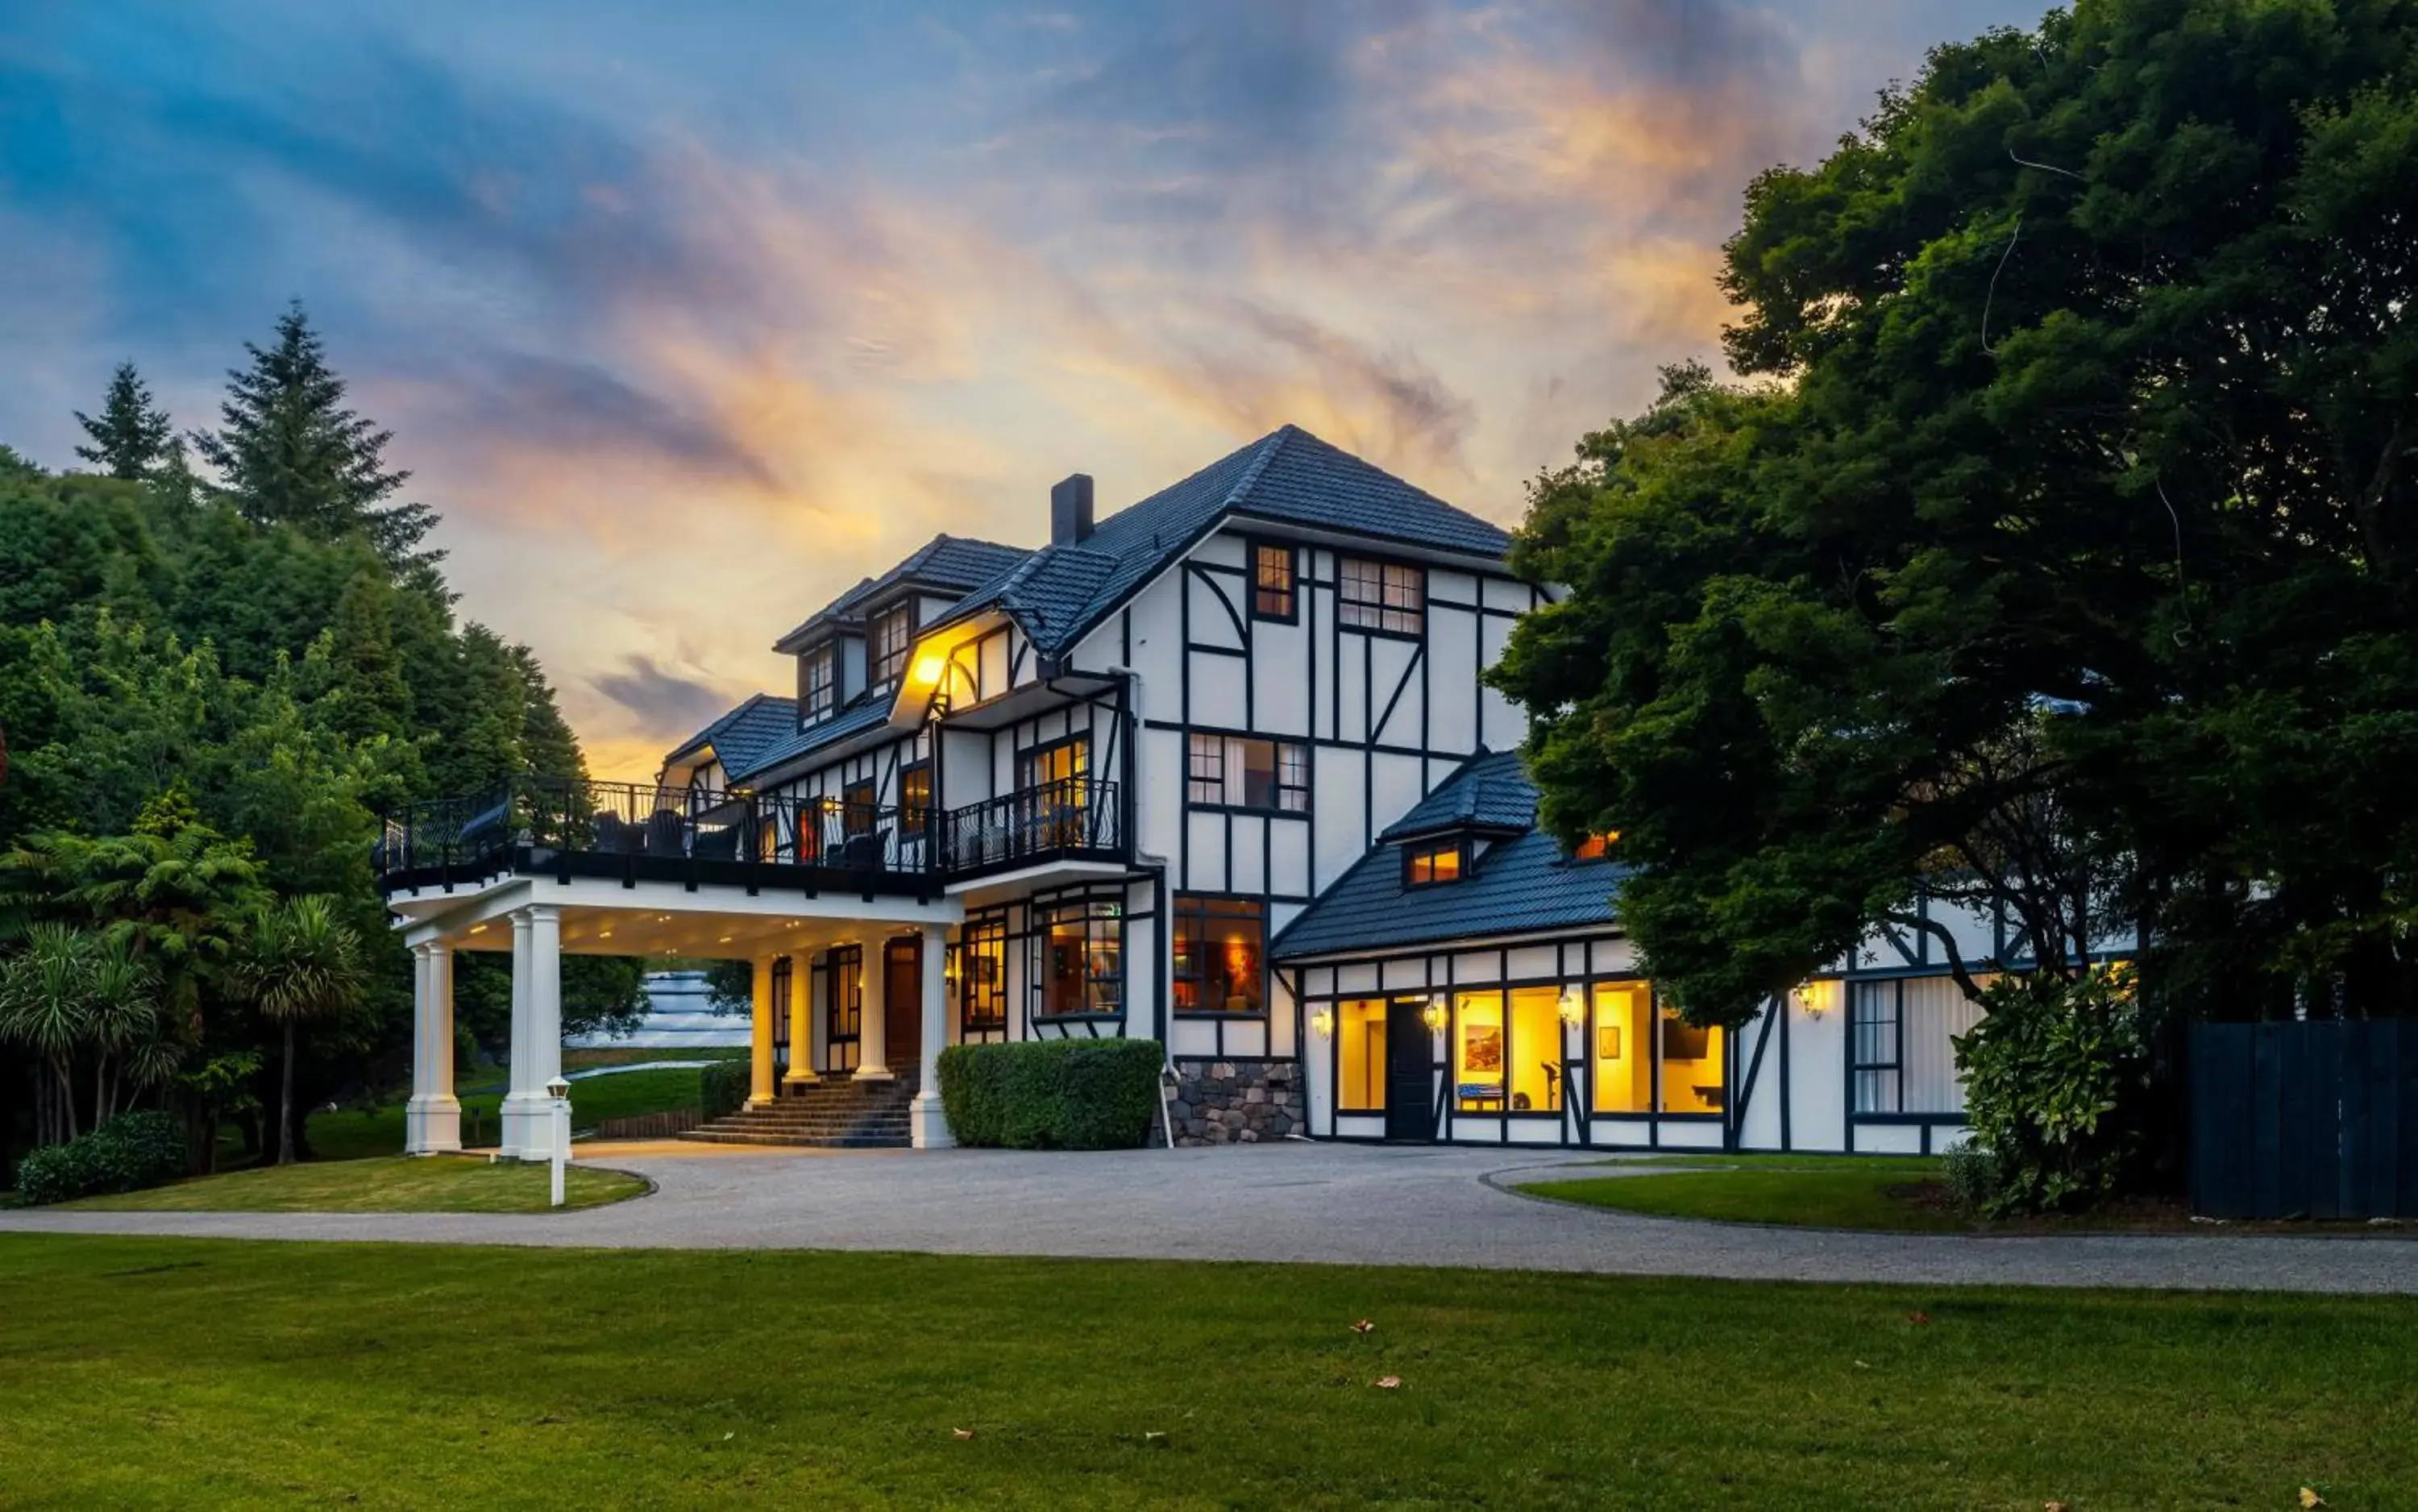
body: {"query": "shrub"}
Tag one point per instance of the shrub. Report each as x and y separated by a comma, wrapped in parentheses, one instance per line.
(129, 1152)
(722, 1088)
(1972, 1175)
(1051, 1095)
(2056, 1083)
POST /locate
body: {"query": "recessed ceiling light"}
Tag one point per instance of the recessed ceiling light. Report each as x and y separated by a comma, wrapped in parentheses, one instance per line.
(724, 941)
(477, 929)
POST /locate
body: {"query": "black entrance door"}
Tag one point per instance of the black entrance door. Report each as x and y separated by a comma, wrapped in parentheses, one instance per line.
(1410, 1073)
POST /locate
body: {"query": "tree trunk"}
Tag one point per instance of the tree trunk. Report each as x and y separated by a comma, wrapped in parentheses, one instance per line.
(285, 1102)
(67, 1096)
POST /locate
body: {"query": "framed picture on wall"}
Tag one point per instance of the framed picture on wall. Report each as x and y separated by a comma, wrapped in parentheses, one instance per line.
(1607, 1042)
(1481, 1047)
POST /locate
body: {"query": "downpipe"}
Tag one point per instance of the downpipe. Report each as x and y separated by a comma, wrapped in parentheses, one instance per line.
(1168, 1080)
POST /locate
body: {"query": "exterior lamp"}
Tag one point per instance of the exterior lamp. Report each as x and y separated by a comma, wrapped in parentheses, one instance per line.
(1435, 1015)
(1816, 998)
(559, 1092)
(1323, 1022)
(1571, 1009)
(929, 670)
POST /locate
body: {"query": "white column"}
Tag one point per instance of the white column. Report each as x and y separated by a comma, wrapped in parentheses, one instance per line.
(873, 1035)
(927, 1123)
(802, 1023)
(759, 1033)
(529, 1132)
(433, 1118)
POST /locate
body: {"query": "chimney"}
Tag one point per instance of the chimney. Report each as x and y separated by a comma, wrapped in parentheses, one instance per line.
(1070, 511)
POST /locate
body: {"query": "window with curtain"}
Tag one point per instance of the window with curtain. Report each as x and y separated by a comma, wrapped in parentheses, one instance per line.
(1383, 596)
(1239, 771)
(1220, 955)
(818, 682)
(1271, 582)
(1085, 949)
(893, 631)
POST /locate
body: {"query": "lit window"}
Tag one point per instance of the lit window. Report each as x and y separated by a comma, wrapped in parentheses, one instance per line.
(1620, 1058)
(1220, 955)
(1086, 957)
(1360, 1048)
(892, 629)
(982, 976)
(1236, 771)
(1271, 582)
(818, 685)
(1382, 596)
(844, 1009)
(1596, 846)
(915, 797)
(1692, 1065)
(1429, 864)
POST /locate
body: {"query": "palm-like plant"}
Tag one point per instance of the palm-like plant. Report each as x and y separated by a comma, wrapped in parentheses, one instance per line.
(301, 962)
(68, 990)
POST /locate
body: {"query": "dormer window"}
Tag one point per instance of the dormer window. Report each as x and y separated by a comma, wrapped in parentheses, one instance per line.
(1429, 862)
(1596, 846)
(818, 683)
(892, 629)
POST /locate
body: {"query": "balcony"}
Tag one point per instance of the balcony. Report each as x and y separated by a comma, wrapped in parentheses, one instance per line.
(636, 831)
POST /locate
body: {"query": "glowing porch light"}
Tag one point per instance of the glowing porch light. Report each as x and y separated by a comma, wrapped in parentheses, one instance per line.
(1435, 1015)
(1816, 997)
(1323, 1022)
(928, 668)
(1571, 1008)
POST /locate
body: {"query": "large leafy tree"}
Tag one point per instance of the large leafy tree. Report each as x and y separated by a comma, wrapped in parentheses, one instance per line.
(300, 963)
(291, 453)
(132, 437)
(2077, 526)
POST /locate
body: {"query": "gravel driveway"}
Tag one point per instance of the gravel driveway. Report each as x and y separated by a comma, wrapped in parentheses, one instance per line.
(1323, 1203)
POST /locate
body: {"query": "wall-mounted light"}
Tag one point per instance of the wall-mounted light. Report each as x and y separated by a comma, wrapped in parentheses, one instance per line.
(1435, 1015)
(929, 670)
(1571, 1008)
(1323, 1022)
(1817, 997)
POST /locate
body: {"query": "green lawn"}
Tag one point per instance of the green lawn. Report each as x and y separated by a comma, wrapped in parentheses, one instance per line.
(150, 1372)
(1795, 1194)
(396, 1184)
(353, 1134)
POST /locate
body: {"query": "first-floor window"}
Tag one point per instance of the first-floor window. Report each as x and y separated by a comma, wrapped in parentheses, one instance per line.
(1507, 1051)
(1391, 597)
(843, 1008)
(1902, 1044)
(1360, 1051)
(1239, 771)
(982, 976)
(1085, 971)
(1645, 1057)
(1220, 955)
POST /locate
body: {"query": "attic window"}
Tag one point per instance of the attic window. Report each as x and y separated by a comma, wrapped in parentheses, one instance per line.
(1271, 582)
(1596, 846)
(1431, 864)
(1388, 597)
(818, 686)
(892, 630)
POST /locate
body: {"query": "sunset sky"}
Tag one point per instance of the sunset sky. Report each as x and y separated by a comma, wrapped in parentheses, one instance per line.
(687, 315)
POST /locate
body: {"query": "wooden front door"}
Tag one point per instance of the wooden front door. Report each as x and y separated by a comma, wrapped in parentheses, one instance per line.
(1410, 1071)
(902, 1039)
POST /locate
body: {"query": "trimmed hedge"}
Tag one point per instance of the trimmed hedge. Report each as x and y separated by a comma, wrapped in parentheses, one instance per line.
(129, 1152)
(722, 1088)
(1052, 1094)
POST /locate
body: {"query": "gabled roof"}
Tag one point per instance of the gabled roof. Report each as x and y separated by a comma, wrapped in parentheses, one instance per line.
(1523, 884)
(951, 564)
(743, 734)
(1287, 476)
(868, 711)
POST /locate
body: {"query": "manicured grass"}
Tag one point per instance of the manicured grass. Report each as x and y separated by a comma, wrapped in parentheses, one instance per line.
(439, 1183)
(354, 1134)
(1828, 1198)
(1906, 1165)
(626, 1055)
(198, 1373)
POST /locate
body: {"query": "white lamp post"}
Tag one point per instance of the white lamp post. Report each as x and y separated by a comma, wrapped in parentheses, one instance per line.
(560, 1090)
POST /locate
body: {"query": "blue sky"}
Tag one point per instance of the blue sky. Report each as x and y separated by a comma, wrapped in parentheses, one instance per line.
(687, 315)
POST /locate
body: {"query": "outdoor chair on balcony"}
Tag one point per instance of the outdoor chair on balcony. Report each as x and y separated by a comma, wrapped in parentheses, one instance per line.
(666, 833)
(485, 828)
(615, 837)
(865, 852)
(715, 845)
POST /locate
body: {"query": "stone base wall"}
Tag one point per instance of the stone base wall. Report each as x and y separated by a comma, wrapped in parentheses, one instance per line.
(1237, 1101)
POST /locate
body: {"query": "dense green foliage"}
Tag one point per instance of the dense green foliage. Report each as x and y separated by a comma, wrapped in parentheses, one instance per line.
(127, 1153)
(722, 1089)
(593, 1377)
(1051, 1095)
(2055, 1079)
(2065, 558)
(209, 690)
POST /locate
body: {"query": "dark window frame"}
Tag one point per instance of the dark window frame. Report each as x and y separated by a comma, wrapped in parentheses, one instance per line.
(1278, 605)
(1197, 909)
(817, 704)
(913, 817)
(844, 1010)
(860, 804)
(983, 937)
(1866, 1069)
(1288, 770)
(1418, 851)
(1379, 614)
(1103, 934)
(884, 666)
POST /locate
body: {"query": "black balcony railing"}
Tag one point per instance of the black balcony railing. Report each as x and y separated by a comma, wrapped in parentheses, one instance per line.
(1075, 817)
(630, 830)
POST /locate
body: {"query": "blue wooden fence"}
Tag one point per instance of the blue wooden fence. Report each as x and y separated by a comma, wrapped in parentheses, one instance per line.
(2304, 1119)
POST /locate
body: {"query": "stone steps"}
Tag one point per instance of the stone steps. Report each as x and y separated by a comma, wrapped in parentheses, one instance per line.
(837, 1114)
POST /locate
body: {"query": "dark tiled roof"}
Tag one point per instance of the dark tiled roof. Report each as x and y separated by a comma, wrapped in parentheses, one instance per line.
(1523, 884)
(1289, 477)
(950, 563)
(740, 736)
(868, 711)
(1490, 792)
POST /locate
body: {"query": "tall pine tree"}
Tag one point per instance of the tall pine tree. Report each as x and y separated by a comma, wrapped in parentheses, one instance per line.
(291, 454)
(132, 436)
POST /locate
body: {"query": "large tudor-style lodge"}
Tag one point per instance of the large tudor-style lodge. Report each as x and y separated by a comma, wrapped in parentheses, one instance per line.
(1217, 769)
